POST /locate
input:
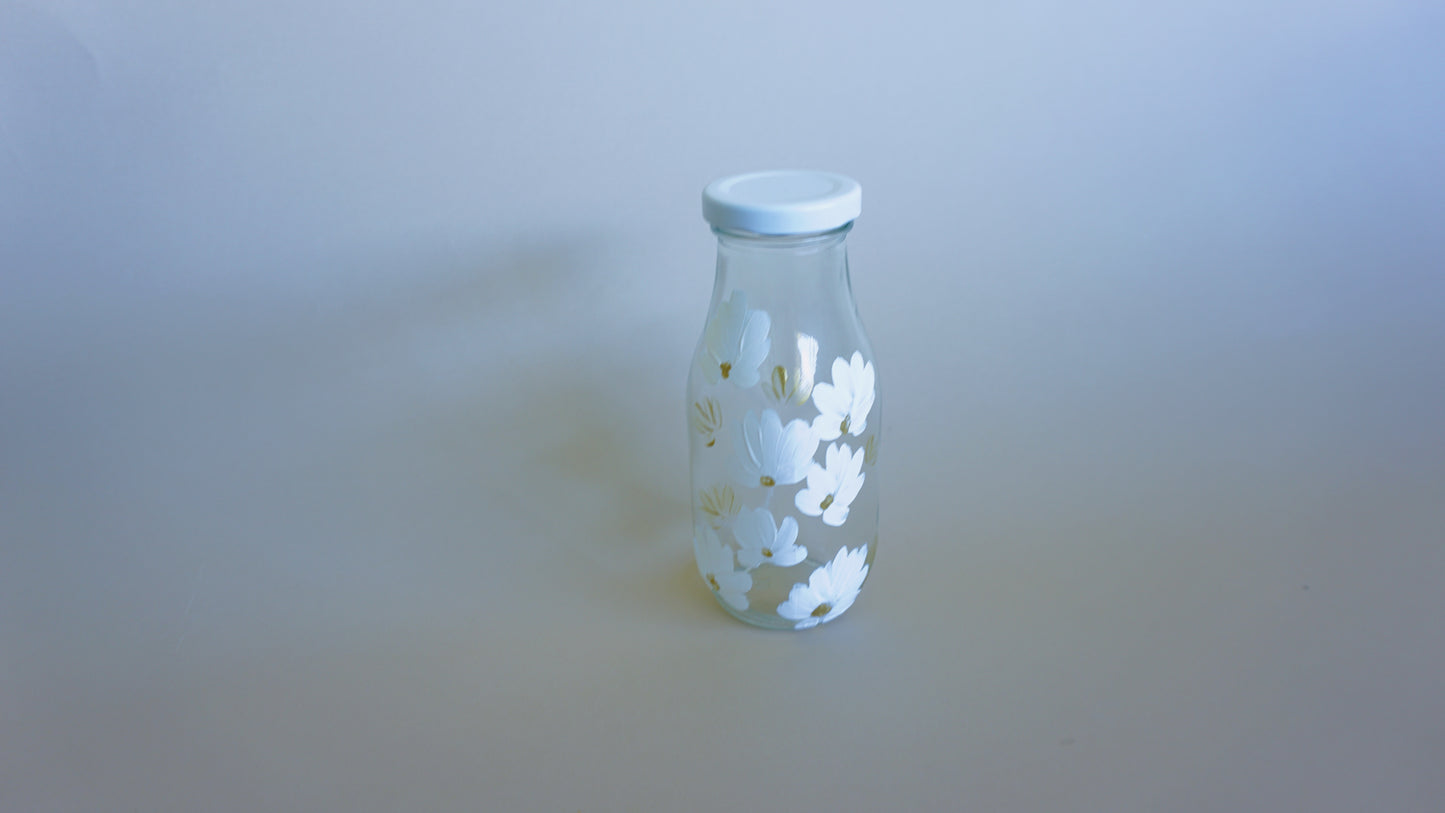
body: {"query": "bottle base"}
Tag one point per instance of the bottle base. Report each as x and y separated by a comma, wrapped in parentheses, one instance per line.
(759, 618)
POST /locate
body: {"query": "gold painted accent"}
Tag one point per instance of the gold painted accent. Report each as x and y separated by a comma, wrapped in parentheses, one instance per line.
(712, 581)
(827, 501)
(711, 443)
(706, 418)
(778, 384)
(788, 386)
(870, 450)
(844, 425)
(720, 504)
(767, 553)
(767, 481)
(822, 610)
(725, 367)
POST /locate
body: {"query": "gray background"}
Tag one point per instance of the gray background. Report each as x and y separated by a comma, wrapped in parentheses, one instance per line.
(342, 450)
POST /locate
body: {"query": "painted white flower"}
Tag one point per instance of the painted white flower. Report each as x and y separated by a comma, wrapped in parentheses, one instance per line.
(832, 488)
(715, 563)
(830, 590)
(844, 405)
(761, 540)
(766, 453)
(735, 342)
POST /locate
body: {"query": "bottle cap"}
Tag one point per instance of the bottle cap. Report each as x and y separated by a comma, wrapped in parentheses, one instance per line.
(778, 202)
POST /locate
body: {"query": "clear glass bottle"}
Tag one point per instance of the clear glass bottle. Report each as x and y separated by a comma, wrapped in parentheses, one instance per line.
(783, 408)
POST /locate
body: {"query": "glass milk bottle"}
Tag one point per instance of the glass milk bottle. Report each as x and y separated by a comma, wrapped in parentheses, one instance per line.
(783, 408)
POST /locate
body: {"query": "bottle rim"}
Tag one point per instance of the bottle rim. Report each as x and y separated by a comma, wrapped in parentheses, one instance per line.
(782, 202)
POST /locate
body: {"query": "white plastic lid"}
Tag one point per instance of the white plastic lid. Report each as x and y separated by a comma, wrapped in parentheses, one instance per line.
(785, 201)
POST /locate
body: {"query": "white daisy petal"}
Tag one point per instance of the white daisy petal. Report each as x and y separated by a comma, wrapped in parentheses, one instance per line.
(809, 499)
(826, 429)
(800, 603)
(864, 394)
(734, 589)
(735, 342)
(787, 532)
(762, 541)
(844, 404)
(770, 430)
(770, 454)
(789, 556)
(735, 314)
(747, 459)
(754, 532)
(796, 453)
(831, 589)
(831, 398)
(852, 480)
(842, 374)
(715, 563)
(832, 487)
(818, 479)
(753, 348)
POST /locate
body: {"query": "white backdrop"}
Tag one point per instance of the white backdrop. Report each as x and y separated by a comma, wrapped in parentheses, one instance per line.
(342, 453)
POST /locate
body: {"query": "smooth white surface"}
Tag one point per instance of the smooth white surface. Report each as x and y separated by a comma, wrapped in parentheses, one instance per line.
(787, 201)
(342, 445)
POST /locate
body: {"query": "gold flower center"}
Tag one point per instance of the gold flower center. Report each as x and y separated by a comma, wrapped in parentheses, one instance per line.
(726, 368)
(711, 442)
(822, 610)
(827, 501)
(767, 481)
(844, 425)
(712, 580)
(767, 554)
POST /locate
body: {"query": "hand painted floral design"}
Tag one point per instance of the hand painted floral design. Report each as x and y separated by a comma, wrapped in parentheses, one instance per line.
(735, 342)
(719, 504)
(767, 453)
(706, 419)
(844, 405)
(762, 541)
(832, 487)
(788, 386)
(830, 590)
(784, 387)
(715, 563)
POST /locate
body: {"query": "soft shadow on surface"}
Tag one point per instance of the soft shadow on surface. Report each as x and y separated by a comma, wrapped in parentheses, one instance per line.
(512, 415)
(432, 438)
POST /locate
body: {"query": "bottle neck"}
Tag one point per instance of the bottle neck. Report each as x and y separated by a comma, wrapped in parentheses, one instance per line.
(788, 299)
(746, 241)
(796, 268)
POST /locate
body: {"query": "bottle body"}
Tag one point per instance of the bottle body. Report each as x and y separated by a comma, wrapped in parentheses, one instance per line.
(784, 421)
